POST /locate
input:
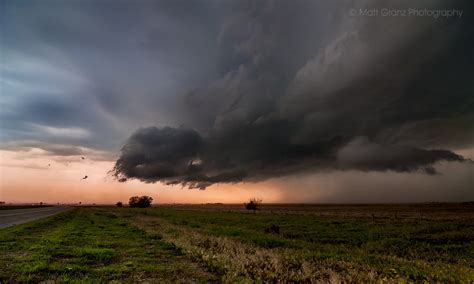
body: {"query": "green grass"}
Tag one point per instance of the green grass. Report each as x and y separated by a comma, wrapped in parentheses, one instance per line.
(411, 248)
(89, 245)
(199, 244)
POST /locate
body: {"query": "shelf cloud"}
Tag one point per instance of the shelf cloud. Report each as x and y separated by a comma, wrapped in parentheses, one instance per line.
(370, 94)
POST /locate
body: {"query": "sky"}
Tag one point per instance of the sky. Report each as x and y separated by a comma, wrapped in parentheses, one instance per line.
(219, 101)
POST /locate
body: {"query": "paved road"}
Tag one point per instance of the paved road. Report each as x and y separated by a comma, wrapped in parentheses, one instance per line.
(20, 216)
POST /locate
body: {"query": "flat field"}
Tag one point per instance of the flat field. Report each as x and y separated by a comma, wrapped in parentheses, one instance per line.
(225, 243)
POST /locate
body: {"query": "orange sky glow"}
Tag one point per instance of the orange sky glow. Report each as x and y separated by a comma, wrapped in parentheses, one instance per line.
(33, 176)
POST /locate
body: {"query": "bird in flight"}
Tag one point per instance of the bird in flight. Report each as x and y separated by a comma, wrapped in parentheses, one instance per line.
(84, 177)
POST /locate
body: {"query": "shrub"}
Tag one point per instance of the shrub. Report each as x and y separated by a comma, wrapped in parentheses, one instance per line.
(274, 229)
(119, 204)
(140, 201)
(253, 204)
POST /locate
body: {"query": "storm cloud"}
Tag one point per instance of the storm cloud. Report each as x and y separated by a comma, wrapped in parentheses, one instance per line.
(370, 94)
(229, 91)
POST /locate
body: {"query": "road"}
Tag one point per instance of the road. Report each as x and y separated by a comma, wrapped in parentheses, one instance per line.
(20, 216)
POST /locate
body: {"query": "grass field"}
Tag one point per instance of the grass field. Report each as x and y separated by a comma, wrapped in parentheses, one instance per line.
(215, 243)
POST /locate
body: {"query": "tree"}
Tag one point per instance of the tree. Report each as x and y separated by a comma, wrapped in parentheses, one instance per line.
(119, 204)
(140, 201)
(253, 204)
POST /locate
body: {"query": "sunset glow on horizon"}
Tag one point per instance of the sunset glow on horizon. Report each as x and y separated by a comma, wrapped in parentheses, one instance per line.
(32, 178)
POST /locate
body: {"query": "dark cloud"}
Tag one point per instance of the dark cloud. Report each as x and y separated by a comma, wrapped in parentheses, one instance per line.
(363, 154)
(370, 93)
(180, 156)
(153, 154)
(453, 185)
(250, 90)
(104, 67)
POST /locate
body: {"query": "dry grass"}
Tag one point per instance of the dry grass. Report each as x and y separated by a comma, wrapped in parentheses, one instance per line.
(321, 243)
(239, 261)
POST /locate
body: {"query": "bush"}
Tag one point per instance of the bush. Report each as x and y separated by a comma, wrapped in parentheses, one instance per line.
(274, 229)
(119, 204)
(253, 204)
(140, 201)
